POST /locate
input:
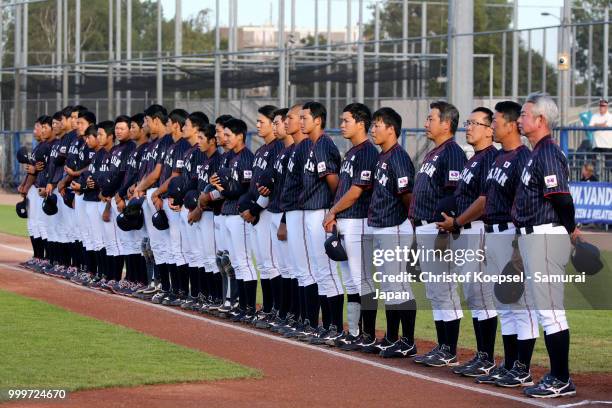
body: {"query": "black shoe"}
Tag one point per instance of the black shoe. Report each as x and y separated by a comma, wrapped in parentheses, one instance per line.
(158, 298)
(494, 375)
(401, 348)
(422, 358)
(306, 332)
(236, 315)
(318, 337)
(338, 339)
(518, 376)
(482, 366)
(551, 387)
(170, 297)
(293, 330)
(462, 367)
(376, 346)
(443, 358)
(349, 342)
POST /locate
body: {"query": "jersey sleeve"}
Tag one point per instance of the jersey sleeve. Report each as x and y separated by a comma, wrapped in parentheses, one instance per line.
(452, 165)
(245, 170)
(363, 170)
(403, 173)
(178, 159)
(553, 170)
(327, 159)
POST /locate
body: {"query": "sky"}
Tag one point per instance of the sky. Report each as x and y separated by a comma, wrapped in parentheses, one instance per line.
(258, 12)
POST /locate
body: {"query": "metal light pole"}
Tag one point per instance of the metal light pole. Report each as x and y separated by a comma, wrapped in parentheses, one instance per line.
(360, 57)
(606, 48)
(282, 61)
(565, 75)
(217, 104)
(515, 52)
(178, 41)
(404, 46)
(159, 91)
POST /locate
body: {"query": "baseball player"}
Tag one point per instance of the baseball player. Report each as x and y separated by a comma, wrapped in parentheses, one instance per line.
(131, 241)
(261, 237)
(239, 239)
(29, 189)
(294, 230)
(205, 219)
(156, 117)
(543, 213)
(172, 166)
(319, 184)
(349, 214)
(289, 301)
(391, 228)
(468, 224)
(436, 179)
(519, 324)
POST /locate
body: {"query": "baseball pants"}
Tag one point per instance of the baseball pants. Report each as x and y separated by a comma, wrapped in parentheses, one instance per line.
(261, 241)
(207, 233)
(95, 226)
(128, 242)
(390, 238)
(280, 249)
(443, 296)
(33, 206)
(547, 251)
(176, 247)
(191, 242)
(325, 270)
(303, 268)
(109, 231)
(519, 318)
(159, 240)
(81, 219)
(240, 247)
(356, 239)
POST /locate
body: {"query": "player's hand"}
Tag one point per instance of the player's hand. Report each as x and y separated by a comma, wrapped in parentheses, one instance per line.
(203, 200)
(70, 172)
(216, 182)
(30, 169)
(247, 216)
(120, 203)
(175, 208)
(130, 192)
(194, 215)
(447, 224)
(48, 189)
(106, 214)
(61, 187)
(75, 186)
(576, 236)
(91, 183)
(157, 202)
(39, 166)
(42, 192)
(329, 221)
(264, 191)
(281, 234)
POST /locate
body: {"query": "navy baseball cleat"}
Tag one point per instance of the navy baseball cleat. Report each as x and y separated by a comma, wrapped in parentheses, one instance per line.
(551, 387)
(401, 348)
(442, 358)
(372, 346)
(494, 375)
(422, 358)
(481, 366)
(518, 376)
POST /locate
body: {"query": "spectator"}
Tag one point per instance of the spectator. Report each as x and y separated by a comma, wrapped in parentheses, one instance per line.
(602, 139)
(588, 173)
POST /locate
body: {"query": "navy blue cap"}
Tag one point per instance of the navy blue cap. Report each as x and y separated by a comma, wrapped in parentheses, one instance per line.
(50, 204)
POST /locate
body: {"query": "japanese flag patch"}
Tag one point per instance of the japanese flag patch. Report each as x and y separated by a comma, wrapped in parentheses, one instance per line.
(402, 182)
(454, 175)
(366, 175)
(247, 174)
(180, 163)
(551, 181)
(506, 165)
(321, 167)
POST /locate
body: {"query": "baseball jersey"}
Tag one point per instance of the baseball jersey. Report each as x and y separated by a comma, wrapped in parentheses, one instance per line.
(157, 155)
(280, 173)
(226, 157)
(393, 177)
(193, 162)
(72, 157)
(118, 163)
(41, 176)
(95, 168)
(439, 173)
(323, 159)
(135, 161)
(293, 179)
(241, 165)
(55, 172)
(501, 184)
(209, 166)
(357, 169)
(264, 157)
(473, 177)
(545, 173)
(174, 159)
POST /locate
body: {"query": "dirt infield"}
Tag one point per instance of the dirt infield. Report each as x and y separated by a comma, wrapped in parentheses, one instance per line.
(293, 374)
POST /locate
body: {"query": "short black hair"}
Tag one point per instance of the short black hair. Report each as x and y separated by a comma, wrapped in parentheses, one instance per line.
(108, 126)
(45, 120)
(157, 111)
(361, 113)
(178, 116)
(222, 119)
(58, 116)
(198, 120)
(510, 110)
(209, 132)
(448, 113)
(389, 117)
(67, 111)
(39, 119)
(237, 126)
(282, 112)
(317, 110)
(92, 130)
(138, 119)
(267, 111)
(488, 112)
(89, 116)
(123, 119)
(79, 108)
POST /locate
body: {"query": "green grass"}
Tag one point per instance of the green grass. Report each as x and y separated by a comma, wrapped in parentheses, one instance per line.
(10, 223)
(44, 346)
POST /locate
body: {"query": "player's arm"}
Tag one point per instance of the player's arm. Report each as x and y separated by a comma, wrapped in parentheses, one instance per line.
(563, 204)
(473, 212)
(406, 199)
(150, 179)
(332, 182)
(347, 200)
